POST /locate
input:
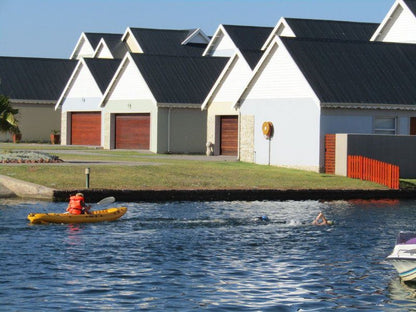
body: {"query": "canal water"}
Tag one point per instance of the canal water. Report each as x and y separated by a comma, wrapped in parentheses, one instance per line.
(210, 256)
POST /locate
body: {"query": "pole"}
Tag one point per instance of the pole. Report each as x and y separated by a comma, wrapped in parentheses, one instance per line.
(87, 178)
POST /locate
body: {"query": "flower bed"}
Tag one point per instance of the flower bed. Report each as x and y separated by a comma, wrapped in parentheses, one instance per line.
(24, 157)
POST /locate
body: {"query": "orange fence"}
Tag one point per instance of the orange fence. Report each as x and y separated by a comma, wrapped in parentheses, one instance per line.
(364, 168)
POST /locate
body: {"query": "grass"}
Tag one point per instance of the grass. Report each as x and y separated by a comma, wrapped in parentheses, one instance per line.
(164, 172)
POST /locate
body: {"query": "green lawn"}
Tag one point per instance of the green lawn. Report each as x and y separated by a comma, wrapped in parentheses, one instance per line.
(164, 172)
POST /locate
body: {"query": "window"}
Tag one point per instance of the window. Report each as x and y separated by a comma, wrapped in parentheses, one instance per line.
(386, 125)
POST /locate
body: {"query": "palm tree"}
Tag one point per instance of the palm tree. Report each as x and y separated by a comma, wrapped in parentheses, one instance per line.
(8, 121)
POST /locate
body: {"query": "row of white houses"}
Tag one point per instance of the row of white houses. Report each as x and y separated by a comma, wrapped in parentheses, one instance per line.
(175, 91)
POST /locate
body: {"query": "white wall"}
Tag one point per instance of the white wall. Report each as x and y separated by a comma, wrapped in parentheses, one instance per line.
(84, 49)
(400, 28)
(83, 94)
(280, 94)
(224, 47)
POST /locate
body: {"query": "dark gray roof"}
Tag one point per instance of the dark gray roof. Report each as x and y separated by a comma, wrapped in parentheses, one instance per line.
(357, 71)
(94, 38)
(326, 29)
(248, 37)
(117, 47)
(179, 79)
(102, 70)
(412, 5)
(166, 42)
(252, 57)
(34, 78)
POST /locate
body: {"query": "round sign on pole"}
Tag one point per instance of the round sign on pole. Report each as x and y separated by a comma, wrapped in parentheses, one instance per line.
(267, 129)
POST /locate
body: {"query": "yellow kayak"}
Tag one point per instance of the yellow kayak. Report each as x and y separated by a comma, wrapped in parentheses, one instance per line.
(109, 214)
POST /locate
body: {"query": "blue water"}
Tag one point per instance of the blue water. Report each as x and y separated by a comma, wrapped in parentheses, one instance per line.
(211, 256)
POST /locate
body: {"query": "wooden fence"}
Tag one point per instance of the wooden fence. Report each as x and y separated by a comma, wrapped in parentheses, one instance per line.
(364, 168)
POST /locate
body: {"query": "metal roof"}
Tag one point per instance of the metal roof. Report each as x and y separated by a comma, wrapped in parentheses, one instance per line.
(166, 42)
(248, 37)
(117, 47)
(412, 5)
(327, 29)
(102, 70)
(179, 79)
(357, 71)
(34, 78)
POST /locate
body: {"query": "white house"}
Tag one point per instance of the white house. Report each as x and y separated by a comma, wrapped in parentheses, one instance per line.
(311, 87)
(242, 44)
(79, 102)
(154, 103)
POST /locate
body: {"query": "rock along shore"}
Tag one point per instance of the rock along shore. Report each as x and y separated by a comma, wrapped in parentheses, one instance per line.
(95, 195)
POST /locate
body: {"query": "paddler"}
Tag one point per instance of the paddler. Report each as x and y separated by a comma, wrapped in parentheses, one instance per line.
(77, 205)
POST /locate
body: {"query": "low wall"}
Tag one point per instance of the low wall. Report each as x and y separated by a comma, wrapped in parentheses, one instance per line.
(398, 150)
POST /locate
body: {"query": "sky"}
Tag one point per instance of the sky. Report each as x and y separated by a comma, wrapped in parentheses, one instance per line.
(51, 28)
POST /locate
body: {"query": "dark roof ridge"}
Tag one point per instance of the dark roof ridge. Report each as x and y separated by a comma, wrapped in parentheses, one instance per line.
(328, 20)
(179, 56)
(247, 26)
(35, 58)
(164, 29)
(346, 41)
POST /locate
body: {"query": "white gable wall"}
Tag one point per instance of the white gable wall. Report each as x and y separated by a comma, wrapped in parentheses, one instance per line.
(225, 47)
(84, 49)
(130, 85)
(84, 94)
(400, 27)
(281, 94)
(129, 94)
(103, 52)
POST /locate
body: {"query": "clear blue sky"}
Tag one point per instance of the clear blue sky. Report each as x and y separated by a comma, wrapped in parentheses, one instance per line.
(51, 28)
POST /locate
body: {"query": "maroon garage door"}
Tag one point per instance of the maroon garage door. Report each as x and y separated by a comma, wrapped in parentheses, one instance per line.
(229, 135)
(132, 131)
(86, 129)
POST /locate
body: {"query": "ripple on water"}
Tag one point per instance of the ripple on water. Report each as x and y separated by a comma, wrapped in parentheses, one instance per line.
(211, 256)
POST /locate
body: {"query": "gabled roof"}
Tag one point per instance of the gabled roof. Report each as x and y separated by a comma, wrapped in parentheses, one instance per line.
(357, 71)
(327, 29)
(178, 79)
(102, 70)
(117, 48)
(322, 29)
(92, 39)
(390, 19)
(248, 37)
(168, 41)
(39, 79)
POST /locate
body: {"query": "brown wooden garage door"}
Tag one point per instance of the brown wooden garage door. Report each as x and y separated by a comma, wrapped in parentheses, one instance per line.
(229, 135)
(132, 131)
(86, 129)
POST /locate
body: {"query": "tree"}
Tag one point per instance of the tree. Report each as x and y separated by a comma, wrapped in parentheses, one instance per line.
(8, 121)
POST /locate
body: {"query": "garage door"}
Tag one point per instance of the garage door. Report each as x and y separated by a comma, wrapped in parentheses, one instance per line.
(86, 129)
(229, 135)
(132, 131)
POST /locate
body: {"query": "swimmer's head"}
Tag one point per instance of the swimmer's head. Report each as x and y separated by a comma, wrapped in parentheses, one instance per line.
(329, 222)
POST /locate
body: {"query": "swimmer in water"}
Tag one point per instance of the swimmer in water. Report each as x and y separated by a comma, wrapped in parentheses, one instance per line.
(321, 220)
(263, 218)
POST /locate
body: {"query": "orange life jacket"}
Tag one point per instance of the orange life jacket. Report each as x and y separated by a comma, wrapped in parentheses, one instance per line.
(75, 205)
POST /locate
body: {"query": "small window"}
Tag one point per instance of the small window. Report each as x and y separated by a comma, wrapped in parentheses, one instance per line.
(385, 125)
